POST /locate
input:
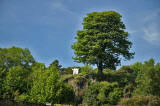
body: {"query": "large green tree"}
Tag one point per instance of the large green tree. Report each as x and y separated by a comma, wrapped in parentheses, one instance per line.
(102, 41)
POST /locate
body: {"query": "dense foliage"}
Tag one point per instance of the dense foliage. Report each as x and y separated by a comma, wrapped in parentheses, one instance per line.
(24, 79)
(102, 93)
(16, 82)
(48, 87)
(141, 100)
(137, 84)
(148, 79)
(15, 64)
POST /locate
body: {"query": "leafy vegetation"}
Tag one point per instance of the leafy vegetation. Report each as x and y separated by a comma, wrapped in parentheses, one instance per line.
(101, 41)
(102, 93)
(48, 87)
(148, 79)
(141, 100)
(137, 84)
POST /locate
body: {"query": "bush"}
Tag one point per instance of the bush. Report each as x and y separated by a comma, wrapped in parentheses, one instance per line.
(86, 69)
(67, 70)
(140, 100)
(102, 93)
(123, 77)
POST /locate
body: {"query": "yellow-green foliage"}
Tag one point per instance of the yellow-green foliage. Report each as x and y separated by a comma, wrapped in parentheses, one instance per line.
(49, 88)
(15, 83)
(21, 98)
(62, 105)
(141, 100)
(86, 69)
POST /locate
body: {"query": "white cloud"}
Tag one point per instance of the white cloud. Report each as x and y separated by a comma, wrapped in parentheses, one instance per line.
(152, 34)
(151, 31)
(60, 6)
(153, 15)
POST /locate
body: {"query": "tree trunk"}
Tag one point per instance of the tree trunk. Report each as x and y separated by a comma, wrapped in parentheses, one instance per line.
(100, 71)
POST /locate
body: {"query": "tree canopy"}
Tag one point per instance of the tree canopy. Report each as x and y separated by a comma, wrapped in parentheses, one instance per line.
(56, 64)
(15, 56)
(102, 41)
(15, 64)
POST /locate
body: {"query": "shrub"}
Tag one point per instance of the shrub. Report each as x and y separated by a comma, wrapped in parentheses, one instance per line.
(140, 100)
(102, 93)
(86, 69)
(123, 77)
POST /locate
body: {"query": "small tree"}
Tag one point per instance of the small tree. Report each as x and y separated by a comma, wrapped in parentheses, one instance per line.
(148, 79)
(102, 41)
(16, 82)
(49, 88)
(56, 64)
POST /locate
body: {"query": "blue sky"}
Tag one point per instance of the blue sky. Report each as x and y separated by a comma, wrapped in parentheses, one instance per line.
(48, 27)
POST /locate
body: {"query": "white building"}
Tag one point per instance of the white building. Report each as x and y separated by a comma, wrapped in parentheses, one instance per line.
(75, 70)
